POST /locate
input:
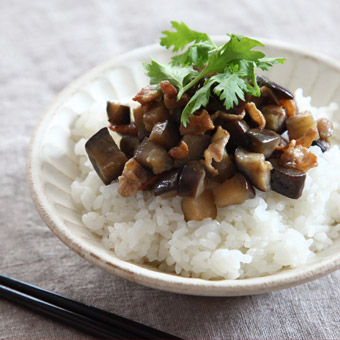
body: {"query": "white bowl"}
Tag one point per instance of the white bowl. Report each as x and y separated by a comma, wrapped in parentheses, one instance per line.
(51, 168)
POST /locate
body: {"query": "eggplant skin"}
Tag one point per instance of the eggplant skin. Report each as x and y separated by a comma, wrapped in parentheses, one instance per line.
(280, 91)
(191, 182)
(107, 160)
(286, 181)
(168, 182)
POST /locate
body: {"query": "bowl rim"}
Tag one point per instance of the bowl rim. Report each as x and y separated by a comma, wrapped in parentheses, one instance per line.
(141, 274)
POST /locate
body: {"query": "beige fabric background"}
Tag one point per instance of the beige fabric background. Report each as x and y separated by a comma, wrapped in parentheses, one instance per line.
(46, 44)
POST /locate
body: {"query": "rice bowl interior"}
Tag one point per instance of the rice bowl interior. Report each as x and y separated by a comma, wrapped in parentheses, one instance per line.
(261, 237)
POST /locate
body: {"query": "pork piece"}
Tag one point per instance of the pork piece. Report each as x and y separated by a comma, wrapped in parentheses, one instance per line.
(290, 106)
(118, 114)
(165, 134)
(325, 129)
(279, 91)
(226, 168)
(179, 152)
(286, 181)
(107, 160)
(191, 182)
(133, 176)
(297, 157)
(198, 124)
(308, 138)
(128, 129)
(196, 146)
(153, 157)
(200, 207)
(238, 136)
(299, 124)
(128, 145)
(157, 113)
(148, 94)
(255, 115)
(138, 115)
(170, 96)
(275, 116)
(225, 116)
(263, 141)
(235, 190)
(254, 167)
(167, 182)
(216, 150)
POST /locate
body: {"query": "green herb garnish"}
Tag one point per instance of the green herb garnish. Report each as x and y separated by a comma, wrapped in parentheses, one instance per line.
(233, 67)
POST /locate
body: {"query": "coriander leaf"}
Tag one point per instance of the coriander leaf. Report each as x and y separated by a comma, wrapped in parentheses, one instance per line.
(176, 75)
(196, 55)
(237, 48)
(253, 90)
(182, 37)
(247, 70)
(230, 88)
(266, 63)
(199, 99)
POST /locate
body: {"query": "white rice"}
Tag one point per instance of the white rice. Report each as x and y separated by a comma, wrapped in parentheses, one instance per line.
(259, 237)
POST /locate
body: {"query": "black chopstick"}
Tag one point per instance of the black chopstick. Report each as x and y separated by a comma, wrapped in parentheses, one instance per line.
(92, 320)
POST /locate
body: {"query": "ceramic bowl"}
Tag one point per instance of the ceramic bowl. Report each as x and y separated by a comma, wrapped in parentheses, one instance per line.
(52, 168)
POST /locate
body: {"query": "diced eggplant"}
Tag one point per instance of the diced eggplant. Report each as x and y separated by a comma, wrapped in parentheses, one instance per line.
(118, 114)
(238, 136)
(155, 114)
(105, 156)
(191, 182)
(225, 168)
(167, 182)
(165, 134)
(299, 124)
(275, 116)
(286, 181)
(138, 115)
(123, 130)
(196, 147)
(200, 207)
(128, 145)
(263, 141)
(216, 104)
(280, 91)
(322, 144)
(153, 157)
(235, 190)
(267, 97)
(254, 167)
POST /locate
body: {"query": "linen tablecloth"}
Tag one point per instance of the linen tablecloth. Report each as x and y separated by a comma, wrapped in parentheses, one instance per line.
(44, 45)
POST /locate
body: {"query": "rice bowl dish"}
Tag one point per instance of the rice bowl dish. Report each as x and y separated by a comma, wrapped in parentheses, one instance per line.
(259, 237)
(54, 163)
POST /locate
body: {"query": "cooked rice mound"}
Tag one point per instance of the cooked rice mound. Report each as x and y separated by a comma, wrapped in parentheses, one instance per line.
(261, 236)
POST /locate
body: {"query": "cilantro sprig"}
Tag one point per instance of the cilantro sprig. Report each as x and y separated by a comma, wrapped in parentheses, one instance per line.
(228, 70)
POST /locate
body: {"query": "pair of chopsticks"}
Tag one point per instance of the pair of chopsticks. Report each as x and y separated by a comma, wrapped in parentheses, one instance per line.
(94, 321)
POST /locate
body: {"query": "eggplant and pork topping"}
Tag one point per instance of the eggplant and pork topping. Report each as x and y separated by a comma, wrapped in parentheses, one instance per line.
(212, 161)
(211, 152)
